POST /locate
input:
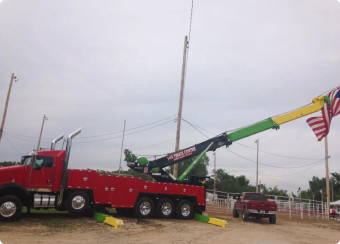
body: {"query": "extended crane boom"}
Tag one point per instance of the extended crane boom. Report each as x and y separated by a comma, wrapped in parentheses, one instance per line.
(155, 168)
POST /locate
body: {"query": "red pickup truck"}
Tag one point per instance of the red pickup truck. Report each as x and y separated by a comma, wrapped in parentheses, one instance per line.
(255, 205)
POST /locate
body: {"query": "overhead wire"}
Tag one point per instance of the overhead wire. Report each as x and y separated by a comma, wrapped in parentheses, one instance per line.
(12, 145)
(316, 164)
(110, 133)
(102, 155)
(195, 127)
(282, 182)
(105, 139)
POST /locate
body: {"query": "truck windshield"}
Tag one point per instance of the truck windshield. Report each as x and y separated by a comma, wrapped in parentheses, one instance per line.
(255, 196)
(27, 161)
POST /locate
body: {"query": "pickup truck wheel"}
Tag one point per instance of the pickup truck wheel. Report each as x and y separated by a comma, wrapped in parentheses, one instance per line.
(144, 208)
(10, 207)
(165, 208)
(235, 213)
(245, 215)
(272, 219)
(78, 203)
(185, 210)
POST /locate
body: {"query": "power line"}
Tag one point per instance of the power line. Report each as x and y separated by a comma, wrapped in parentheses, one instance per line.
(103, 155)
(195, 126)
(105, 139)
(171, 117)
(301, 166)
(282, 182)
(275, 153)
(316, 164)
(111, 133)
(22, 138)
(12, 145)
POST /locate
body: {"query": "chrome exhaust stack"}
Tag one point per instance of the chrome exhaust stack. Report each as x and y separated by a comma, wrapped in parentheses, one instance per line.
(66, 160)
(55, 140)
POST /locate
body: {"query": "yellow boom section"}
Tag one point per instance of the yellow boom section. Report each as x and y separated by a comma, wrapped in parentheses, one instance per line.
(318, 103)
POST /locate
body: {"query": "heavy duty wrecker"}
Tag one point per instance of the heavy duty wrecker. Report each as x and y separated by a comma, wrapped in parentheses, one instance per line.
(44, 181)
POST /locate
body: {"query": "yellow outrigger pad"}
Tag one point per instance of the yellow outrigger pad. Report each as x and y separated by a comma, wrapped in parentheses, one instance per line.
(117, 223)
(218, 222)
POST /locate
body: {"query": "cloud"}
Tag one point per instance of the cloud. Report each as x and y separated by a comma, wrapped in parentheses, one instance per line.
(95, 64)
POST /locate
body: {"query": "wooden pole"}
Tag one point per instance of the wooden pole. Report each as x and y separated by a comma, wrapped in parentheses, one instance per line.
(41, 130)
(257, 167)
(121, 150)
(179, 117)
(215, 176)
(6, 105)
(327, 175)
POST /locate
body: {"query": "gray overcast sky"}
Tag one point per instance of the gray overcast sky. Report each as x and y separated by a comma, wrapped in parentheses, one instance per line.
(94, 64)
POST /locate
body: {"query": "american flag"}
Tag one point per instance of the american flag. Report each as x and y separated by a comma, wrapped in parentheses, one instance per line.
(321, 124)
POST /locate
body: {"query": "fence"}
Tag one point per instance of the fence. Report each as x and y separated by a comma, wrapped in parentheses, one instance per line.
(223, 203)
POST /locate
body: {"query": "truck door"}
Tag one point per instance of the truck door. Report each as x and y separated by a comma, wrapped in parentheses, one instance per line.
(42, 172)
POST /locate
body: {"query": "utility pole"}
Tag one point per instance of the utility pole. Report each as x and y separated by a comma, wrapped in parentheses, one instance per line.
(6, 104)
(215, 175)
(327, 175)
(179, 117)
(257, 166)
(41, 130)
(332, 181)
(121, 150)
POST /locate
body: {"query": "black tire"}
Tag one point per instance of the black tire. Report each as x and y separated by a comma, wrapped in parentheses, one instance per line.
(245, 215)
(144, 208)
(165, 208)
(235, 213)
(185, 210)
(78, 203)
(10, 207)
(272, 219)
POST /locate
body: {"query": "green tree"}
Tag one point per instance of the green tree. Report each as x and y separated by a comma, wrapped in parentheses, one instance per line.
(9, 163)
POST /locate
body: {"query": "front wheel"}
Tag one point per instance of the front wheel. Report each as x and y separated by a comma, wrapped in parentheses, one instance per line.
(78, 203)
(185, 210)
(272, 219)
(235, 213)
(10, 207)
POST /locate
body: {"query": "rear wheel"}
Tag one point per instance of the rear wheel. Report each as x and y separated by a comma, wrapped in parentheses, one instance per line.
(165, 208)
(245, 215)
(272, 219)
(144, 208)
(185, 210)
(10, 207)
(235, 213)
(78, 203)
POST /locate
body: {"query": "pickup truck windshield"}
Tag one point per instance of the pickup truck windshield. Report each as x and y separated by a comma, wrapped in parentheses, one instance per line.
(254, 196)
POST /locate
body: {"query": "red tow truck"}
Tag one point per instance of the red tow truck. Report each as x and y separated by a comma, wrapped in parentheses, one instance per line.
(255, 205)
(43, 181)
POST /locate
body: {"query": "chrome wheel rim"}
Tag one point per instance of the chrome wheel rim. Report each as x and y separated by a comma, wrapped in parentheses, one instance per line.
(166, 209)
(185, 210)
(8, 209)
(78, 202)
(145, 208)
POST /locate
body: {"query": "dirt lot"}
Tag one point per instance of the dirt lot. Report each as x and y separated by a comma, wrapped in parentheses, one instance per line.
(63, 228)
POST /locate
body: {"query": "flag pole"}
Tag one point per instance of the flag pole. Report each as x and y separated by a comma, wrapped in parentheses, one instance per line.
(327, 175)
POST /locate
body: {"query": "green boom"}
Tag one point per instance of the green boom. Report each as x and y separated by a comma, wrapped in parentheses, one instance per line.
(253, 129)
